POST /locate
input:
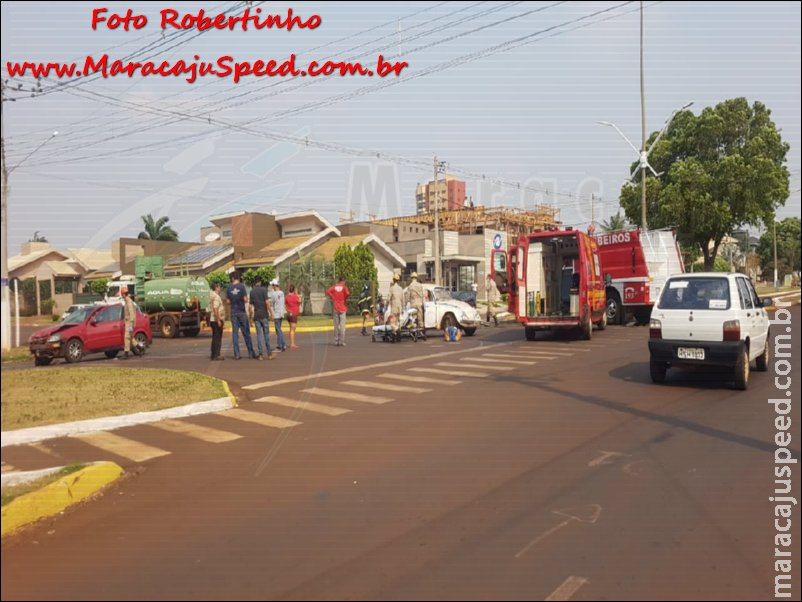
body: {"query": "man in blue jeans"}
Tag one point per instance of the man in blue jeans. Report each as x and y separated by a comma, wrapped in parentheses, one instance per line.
(279, 309)
(237, 297)
(262, 312)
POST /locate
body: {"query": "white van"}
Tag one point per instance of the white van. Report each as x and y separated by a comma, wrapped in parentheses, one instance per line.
(712, 319)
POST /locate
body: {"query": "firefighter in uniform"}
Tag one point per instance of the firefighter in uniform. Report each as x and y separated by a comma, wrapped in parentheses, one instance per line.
(492, 296)
(415, 296)
(396, 299)
(129, 317)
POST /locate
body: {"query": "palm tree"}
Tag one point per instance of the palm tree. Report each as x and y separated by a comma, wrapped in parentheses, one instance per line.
(616, 222)
(157, 229)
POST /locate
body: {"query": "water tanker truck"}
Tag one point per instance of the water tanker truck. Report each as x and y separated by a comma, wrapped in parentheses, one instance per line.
(175, 304)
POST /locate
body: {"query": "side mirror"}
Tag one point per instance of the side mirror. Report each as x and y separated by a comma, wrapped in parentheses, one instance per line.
(767, 302)
(92, 322)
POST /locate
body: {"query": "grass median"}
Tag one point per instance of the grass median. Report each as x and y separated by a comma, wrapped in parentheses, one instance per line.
(55, 395)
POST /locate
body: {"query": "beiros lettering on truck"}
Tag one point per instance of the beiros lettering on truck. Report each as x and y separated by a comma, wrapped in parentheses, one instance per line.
(636, 266)
(554, 280)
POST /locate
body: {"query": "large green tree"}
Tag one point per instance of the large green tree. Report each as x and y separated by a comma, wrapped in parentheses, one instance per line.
(157, 229)
(788, 248)
(719, 171)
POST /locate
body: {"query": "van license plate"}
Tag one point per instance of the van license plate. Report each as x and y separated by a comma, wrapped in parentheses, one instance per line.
(690, 353)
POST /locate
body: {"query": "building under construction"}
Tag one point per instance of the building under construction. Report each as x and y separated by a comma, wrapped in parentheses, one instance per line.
(475, 220)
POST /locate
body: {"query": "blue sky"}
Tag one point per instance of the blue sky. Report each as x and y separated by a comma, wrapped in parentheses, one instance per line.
(525, 117)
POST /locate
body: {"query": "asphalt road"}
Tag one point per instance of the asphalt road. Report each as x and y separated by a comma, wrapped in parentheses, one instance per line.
(490, 469)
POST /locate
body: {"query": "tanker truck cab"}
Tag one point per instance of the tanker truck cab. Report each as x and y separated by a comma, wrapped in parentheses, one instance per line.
(554, 281)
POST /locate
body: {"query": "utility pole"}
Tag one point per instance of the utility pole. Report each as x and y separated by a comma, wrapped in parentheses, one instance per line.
(592, 211)
(6, 309)
(643, 129)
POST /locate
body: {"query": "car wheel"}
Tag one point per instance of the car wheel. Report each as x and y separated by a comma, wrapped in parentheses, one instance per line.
(448, 321)
(762, 361)
(642, 316)
(614, 310)
(469, 332)
(742, 370)
(191, 332)
(658, 371)
(112, 354)
(168, 327)
(74, 351)
(42, 361)
(139, 344)
(531, 333)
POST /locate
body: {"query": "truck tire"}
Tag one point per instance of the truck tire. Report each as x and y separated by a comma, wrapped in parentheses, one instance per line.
(168, 327)
(530, 333)
(602, 325)
(587, 329)
(615, 312)
(191, 332)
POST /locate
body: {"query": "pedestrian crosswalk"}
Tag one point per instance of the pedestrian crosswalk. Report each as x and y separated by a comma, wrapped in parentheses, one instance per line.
(338, 397)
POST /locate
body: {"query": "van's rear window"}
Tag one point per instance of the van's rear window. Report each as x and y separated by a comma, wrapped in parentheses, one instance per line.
(696, 293)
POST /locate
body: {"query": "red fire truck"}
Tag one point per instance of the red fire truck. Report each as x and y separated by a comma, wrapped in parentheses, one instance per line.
(554, 280)
(638, 264)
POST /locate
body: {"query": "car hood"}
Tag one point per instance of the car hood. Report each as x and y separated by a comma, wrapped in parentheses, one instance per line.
(51, 330)
(457, 306)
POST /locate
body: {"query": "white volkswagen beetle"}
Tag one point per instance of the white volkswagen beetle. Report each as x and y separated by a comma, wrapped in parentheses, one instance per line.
(441, 310)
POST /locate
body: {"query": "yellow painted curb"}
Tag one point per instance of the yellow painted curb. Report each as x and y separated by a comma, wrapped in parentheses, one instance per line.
(59, 495)
(228, 392)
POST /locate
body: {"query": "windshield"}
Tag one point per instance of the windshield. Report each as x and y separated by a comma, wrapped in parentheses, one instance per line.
(696, 293)
(441, 294)
(77, 316)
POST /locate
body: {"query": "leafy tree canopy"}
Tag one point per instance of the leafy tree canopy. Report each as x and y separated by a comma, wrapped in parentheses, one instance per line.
(788, 248)
(720, 171)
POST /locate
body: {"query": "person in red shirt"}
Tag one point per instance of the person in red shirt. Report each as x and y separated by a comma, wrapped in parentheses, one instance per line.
(293, 303)
(339, 294)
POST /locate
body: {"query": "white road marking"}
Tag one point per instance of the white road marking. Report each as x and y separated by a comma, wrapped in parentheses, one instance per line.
(196, 431)
(346, 395)
(606, 458)
(536, 352)
(258, 418)
(121, 446)
(567, 589)
(571, 515)
(420, 379)
(449, 372)
(384, 386)
(469, 366)
(490, 357)
(304, 405)
(376, 366)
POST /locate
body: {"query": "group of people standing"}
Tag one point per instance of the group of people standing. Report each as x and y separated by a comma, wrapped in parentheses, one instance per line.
(264, 307)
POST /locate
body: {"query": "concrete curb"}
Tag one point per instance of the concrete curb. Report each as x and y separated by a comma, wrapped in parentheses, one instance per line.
(57, 496)
(9, 479)
(110, 423)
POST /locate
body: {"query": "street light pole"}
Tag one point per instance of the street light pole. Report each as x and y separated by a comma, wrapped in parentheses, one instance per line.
(774, 227)
(643, 128)
(643, 155)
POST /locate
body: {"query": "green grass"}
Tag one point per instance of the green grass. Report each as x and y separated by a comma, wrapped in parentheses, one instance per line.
(15, 491)
(17, 354)
(769, 290)
(53, 395)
